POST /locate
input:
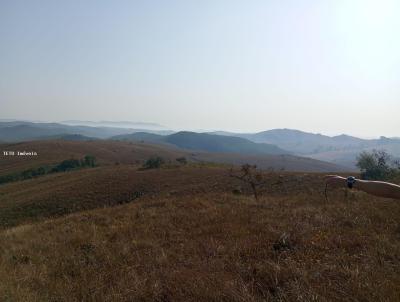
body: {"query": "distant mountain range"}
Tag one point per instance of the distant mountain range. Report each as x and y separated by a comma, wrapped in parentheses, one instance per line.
(308, 143)
(15, 131)
(109, 152)
(341, 150)
(206, 142)
(122, 124)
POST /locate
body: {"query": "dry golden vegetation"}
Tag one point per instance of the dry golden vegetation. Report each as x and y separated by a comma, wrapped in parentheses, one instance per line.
(64, 193)
(115, 233)
(106, 152)
(119, 152)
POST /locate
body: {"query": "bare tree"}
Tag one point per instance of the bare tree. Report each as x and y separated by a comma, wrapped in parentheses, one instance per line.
(249, 175)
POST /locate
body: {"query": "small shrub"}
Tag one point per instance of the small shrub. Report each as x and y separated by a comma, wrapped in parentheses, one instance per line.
(153, 163)
(182, 160)
(251, 176)
(283, 243)
(237, 191)
(66, 165)
(88, 161)
(8, 178)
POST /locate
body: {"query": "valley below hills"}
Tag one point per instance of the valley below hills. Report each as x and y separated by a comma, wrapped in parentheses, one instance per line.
(340, 150)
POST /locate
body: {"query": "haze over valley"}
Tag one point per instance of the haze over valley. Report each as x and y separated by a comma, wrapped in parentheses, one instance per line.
(341, 150)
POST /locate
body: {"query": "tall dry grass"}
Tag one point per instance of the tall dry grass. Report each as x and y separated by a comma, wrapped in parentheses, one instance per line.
(291, 245)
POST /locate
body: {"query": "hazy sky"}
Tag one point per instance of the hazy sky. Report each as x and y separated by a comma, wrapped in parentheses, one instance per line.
(321, 66)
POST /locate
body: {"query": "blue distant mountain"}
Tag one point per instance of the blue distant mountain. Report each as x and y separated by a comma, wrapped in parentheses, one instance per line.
(342, 149)
(206, 142)
(15, 131)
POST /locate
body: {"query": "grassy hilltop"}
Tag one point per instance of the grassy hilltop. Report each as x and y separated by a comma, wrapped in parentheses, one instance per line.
(179, 233)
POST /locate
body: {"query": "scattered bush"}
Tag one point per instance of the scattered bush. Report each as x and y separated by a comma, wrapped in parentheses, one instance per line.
(182, 160)
(70, 164)
(66, 165)
(8, 178)
(153, 163)
(89, 161)
(27, 174)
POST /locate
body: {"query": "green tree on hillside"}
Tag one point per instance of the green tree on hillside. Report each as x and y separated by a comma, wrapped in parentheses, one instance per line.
(377, 165)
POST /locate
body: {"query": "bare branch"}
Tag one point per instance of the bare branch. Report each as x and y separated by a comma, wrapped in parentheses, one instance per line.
(250, 176)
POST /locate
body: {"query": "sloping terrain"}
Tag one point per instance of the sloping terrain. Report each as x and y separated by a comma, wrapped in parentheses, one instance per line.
(348, 158)
(59, 194)
(106, 152)
(301, 142)
(71, 137)
(114, 152)
(140, 136)
(117, 124)
(217, 143)
(189, 238)
(342, 149)
(17, 131)
(206, 142)
(273, 162)
(63, 193)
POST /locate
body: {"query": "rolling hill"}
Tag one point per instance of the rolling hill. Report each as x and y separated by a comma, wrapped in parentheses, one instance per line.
(110, 152)
(17, 131)
(206, 142)
(191, 233)
(70, 137)
(217, 143)
(302, 142)
(118, 124)
(188, 232)
(106, 152)
(141, 136)
(341, 149)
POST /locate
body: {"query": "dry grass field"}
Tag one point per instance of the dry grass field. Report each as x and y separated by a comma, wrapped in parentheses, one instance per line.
(118, 152)
(106, 152)
(116, 233)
